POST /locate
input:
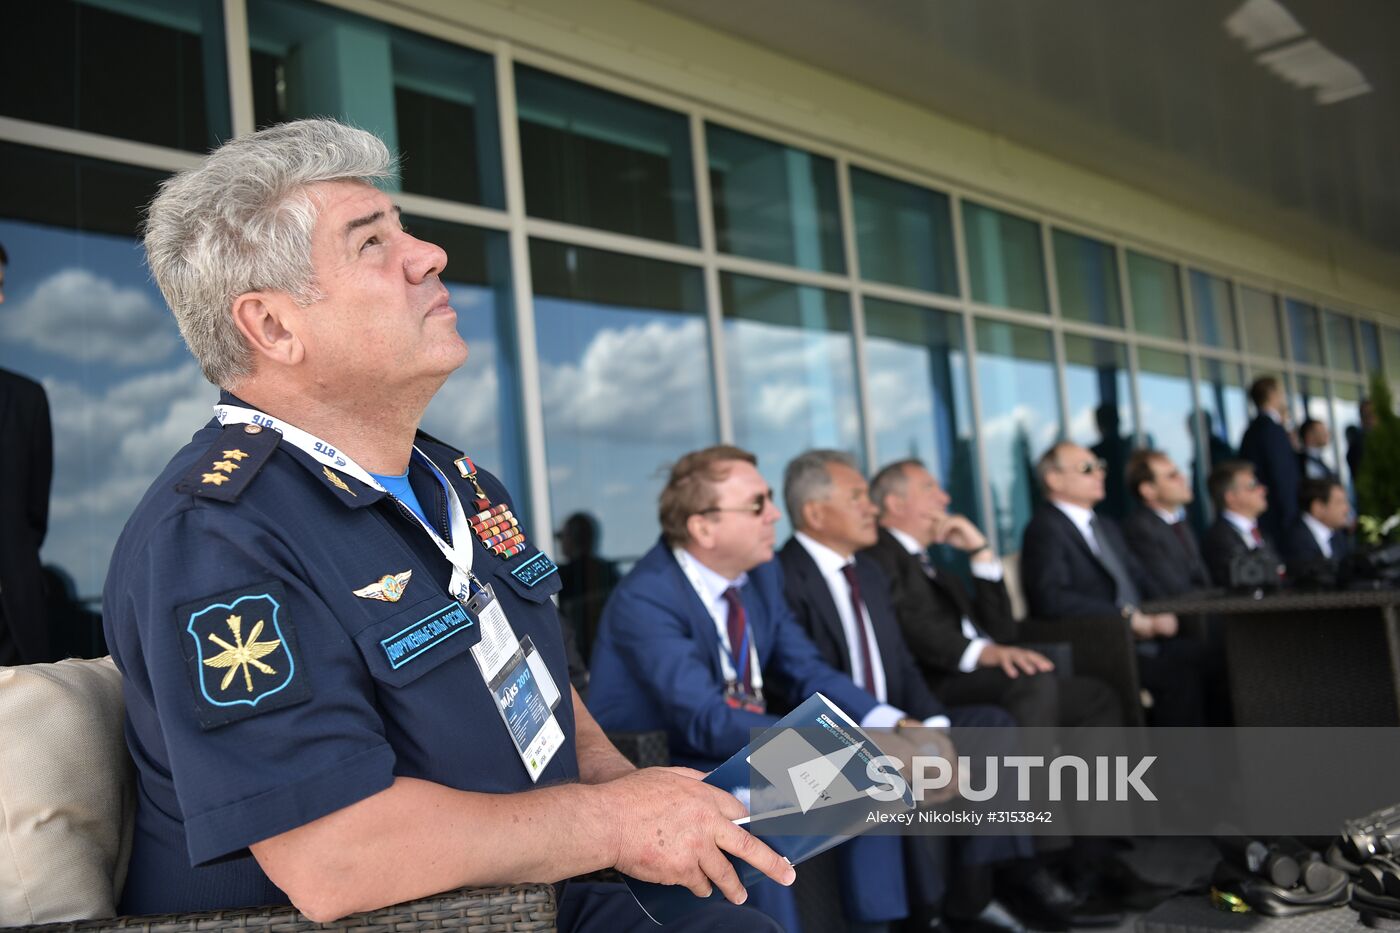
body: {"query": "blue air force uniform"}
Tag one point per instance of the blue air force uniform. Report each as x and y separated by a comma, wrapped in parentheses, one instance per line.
(262, 692)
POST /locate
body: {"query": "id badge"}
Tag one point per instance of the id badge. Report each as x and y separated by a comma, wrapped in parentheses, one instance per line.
(552, 696)
(519, 682)
(498, 643)
(523, 705)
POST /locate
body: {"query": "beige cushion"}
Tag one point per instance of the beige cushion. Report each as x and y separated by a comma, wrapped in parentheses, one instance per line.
(66, 792)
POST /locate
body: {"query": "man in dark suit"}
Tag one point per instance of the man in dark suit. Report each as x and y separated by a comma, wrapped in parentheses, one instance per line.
(1157, 531)
(1076, 563)
(26, 472)
(962, 641)
(1356, 437)
(697, 637)
(1268, 446)
(1240, 499)
(844, 601)
(1314, 437)
(1317, 544)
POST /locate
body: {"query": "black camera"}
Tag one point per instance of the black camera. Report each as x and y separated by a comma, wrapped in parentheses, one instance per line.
(1253, 571)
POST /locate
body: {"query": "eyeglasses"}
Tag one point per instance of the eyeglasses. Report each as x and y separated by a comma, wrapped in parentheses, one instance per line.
(756, 507)
(1089, 466)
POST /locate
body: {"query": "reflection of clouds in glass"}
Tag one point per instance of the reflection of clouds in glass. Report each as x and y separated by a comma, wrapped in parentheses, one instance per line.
(108, 449)
(1000, 430)
(630, 382)
(901, 391)
(84, 316)
(792, 389)
(465, 410)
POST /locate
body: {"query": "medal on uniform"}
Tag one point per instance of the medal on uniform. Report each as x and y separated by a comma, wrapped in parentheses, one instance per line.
(495, 525)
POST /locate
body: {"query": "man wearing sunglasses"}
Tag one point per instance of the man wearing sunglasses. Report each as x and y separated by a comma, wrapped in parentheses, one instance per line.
(697, 637)
(1075, 563)
(1240, 499)
(1157, 531)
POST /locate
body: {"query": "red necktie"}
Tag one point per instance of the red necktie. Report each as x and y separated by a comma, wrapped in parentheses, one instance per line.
(738, 651)
(1258, 538)
(867, 665)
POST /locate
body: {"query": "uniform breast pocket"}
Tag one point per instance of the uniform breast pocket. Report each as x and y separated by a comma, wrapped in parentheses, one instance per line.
(408, 644)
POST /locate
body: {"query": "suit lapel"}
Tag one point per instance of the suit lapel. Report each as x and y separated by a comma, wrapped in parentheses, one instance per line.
(1070, 530)
(699, 617)
(822, 602)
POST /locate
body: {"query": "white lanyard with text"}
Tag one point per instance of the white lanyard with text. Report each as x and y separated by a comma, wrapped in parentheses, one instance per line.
(459, 553)
(726, 663)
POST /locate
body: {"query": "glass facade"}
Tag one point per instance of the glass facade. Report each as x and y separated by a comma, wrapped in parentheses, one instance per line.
(1304, 331)
(904, 233)
(82, 317)
(1215, 311)
(601, 160)
(1168, 402)
(70, 63)
(432, 102)
(774, 202)
(1020, 419)
(920, 404)
(1005, 262)
(1086, 272)
(1262, 336)
(791, 369)
(939, 340)
(1341, 343)
(624, 381)
(1098, 390)
(1156, 292)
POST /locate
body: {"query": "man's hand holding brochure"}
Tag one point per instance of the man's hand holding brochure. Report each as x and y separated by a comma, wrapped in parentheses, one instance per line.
(804, 782)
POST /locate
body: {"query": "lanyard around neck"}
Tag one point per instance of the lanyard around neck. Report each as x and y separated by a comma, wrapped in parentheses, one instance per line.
(459, 552)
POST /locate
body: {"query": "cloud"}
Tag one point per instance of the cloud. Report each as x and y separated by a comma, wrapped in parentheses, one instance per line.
(84, 316)
(641, 382)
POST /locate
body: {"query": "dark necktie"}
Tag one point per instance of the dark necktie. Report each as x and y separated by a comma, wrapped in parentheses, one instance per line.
(926, 564)
(738, 651)
(1113, 562)
(864, 648)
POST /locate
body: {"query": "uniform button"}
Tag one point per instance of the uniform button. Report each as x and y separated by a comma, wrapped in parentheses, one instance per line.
(252, 429)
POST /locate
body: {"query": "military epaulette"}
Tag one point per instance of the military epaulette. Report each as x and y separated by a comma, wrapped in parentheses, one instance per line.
(230, 464)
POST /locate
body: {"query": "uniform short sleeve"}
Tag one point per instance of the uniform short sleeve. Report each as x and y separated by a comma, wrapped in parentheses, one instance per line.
(242, 685)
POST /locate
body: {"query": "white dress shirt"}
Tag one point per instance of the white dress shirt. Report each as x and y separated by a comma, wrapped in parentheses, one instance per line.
(1244, 526)
(1081, 518)
(830, 564)
(711, 587)
(1321, 534)
(982, 568)
(1171, 518)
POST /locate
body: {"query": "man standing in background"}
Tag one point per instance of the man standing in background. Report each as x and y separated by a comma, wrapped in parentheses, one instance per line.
(1267, 445)
(26, 473)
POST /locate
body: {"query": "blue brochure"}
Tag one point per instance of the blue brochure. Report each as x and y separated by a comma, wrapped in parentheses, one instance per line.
(804, 782)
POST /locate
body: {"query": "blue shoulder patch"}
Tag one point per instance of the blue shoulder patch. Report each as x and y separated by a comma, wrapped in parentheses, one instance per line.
(241, 654)
(535, 569)
(230, 464)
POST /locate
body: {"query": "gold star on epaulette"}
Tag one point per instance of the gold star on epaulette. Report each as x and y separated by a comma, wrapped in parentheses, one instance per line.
(227, 466)
(216, 479)
(339, 483)
(234, 455)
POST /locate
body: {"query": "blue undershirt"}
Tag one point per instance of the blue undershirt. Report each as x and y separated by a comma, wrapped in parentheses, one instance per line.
(400, 488)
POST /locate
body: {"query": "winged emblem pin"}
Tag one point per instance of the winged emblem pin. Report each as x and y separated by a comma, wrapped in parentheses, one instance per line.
(387, 588)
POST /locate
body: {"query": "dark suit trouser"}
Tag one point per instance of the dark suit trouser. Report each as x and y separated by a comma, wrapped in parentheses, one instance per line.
(609, 908)
(1036, 699)
(1176, 678)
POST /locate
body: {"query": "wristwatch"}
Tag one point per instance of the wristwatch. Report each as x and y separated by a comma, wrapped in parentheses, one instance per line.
(908, 722)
